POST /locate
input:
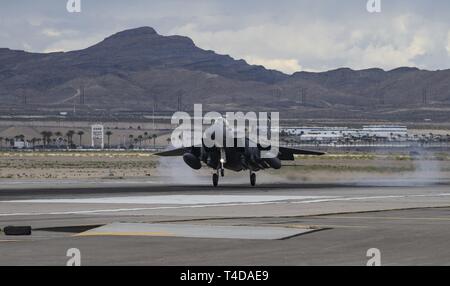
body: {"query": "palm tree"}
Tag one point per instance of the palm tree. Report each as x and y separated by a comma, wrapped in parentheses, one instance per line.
(69, 135)
(33, 141)
(168, 140)
(154, 136)
(80, 133)
(140, 138)
(131, 136)
(146, 136)
(108, 134)
(46, 137)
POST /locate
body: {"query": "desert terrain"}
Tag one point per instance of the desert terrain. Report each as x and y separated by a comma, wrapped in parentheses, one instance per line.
(123, 165)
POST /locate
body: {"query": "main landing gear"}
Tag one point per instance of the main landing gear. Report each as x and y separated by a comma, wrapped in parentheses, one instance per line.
(215, 179)
(252, 178)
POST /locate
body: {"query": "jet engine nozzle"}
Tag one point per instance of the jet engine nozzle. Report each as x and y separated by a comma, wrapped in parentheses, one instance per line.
(192, 161)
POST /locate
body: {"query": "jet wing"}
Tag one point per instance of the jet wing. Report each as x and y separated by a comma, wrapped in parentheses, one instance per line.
(174, 152)
(287, 154)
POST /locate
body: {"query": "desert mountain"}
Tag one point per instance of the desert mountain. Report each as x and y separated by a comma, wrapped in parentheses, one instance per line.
(138, 70)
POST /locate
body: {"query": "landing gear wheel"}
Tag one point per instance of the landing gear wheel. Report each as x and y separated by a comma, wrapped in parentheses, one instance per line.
(215, 180)
(222, 172)
(253, 179)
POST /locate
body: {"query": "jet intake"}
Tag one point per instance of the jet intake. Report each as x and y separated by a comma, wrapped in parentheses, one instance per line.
(192, 161)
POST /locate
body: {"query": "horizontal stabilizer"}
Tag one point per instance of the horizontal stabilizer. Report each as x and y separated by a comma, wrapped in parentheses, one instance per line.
(287, 154)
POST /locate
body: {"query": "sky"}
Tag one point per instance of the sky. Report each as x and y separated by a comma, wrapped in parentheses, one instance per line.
(287, 35)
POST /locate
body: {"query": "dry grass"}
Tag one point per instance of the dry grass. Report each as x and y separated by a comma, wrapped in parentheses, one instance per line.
(122, 165)
(70, 165)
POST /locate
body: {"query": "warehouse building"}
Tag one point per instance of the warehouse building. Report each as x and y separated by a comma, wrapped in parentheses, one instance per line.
(384, 132)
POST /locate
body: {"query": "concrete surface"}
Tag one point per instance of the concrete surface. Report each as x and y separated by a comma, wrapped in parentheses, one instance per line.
(409, 224)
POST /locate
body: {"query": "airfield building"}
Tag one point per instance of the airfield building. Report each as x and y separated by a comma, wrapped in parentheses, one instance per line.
(384, 132)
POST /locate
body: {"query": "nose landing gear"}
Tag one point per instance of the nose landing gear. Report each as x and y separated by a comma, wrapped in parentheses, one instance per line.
(223, 160)
(221, 168)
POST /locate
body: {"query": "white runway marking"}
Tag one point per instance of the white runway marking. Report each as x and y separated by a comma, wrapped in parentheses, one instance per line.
(136, 209)
(175, 199)
(306, 200)
(370, 198)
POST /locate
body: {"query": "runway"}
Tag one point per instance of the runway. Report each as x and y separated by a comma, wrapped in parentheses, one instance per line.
(271, 224)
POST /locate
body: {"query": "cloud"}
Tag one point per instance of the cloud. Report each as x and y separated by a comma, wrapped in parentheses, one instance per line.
(51, 33)
(270, 44)
(288, 66)
(288, 35)
(390, 49)
(448, 43)
(324, 45)
(75, 43)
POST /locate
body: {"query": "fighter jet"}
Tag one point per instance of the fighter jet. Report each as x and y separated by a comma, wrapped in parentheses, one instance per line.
(237, 158)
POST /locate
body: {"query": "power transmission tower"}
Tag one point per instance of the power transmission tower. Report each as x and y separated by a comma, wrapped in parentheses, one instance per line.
(304, 96)
(155, 102)
(425, 96)
(155, 106)
(379, 89)
(277, 94)
(82, 95)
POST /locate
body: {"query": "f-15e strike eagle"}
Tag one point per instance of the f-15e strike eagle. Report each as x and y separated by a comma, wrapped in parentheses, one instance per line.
(220, 157)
